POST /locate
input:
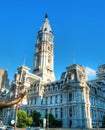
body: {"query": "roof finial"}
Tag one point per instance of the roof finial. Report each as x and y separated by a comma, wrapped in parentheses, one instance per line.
(46, 16)
(24, 61)
(73, 58)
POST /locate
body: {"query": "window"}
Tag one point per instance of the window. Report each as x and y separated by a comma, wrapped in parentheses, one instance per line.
(70, 111)
(39, 47)
(41, 101)
(61, 112)
(61, 98)
(31, 101)
(35, 101)
(49, 59)
(39, 39)
(45, 29)
(38, 61)
(70, 96)
(51, 100)
(46, 100)
(28, 102)
(46, 111)
(51, 110)
(56, 115)
(56, 99)
(70, 123)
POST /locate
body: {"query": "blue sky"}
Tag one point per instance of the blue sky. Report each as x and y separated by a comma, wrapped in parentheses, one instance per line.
(78, 27)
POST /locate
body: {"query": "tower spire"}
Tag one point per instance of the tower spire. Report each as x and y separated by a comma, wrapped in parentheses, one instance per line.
(46, 28)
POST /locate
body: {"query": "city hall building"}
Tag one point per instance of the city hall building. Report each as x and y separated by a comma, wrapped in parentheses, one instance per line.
(71, 99)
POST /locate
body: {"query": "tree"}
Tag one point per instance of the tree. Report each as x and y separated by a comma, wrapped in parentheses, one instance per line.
(23, 119)
(29, 121)
(52, 122)
(36, 117)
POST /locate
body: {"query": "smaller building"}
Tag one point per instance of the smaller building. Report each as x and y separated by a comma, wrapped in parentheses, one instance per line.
(4, 80)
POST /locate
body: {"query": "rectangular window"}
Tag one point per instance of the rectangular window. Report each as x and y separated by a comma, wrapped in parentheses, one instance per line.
(46, 100)
(70, 97)
(70, 111)
(61, 112)
(61, 98)
(56, 115)
(56, 99)
(51, 100)
(34, 100)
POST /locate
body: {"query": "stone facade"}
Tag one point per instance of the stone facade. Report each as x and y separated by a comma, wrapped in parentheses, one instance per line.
(71, 99)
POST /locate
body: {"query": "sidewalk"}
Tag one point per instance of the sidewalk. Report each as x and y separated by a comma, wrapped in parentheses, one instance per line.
(20, 128)
(63, 129)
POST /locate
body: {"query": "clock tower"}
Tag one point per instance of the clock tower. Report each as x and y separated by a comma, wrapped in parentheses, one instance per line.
(44, 55)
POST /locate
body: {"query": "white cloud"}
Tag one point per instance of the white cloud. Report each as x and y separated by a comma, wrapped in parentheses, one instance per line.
(91, 73)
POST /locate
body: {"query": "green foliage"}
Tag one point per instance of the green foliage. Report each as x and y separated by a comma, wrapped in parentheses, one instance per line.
(22, 116)
(23, 119)
(21, 125)
(36, 117)
(29, 120)
(52, 122)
